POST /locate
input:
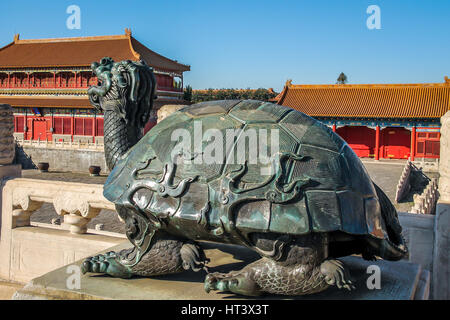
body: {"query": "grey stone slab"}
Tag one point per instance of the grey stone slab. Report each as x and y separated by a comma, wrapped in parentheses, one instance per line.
(423, 287)
(418, 232)
(399, 280)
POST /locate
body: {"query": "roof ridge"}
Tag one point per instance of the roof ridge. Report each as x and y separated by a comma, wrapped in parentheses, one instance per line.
(130, 43)
(6, 46)
(369, 86)
(372, 86)
(70, 39)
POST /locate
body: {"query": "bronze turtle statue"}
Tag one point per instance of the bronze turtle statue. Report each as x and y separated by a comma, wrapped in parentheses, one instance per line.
(301, 201)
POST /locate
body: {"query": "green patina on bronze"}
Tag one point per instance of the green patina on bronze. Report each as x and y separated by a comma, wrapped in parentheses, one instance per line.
(316, 204)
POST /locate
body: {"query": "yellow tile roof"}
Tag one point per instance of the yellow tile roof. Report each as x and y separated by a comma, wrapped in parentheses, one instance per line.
(368, 101)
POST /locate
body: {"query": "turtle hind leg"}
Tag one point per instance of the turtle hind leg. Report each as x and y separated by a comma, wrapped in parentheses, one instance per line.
(336, 273)
(302, 269)
(166, 255)
(268, 276)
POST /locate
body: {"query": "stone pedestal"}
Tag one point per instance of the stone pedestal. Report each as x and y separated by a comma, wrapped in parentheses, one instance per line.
(399, 280)
(444, 162)
(7, 147)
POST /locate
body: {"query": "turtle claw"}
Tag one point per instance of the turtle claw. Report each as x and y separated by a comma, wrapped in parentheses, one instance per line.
(105, 263)
(336, 274)
(233, 282)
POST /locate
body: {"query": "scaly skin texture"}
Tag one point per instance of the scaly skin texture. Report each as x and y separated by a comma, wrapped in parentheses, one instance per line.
(118, 137)
(166, 255)
(163, 258)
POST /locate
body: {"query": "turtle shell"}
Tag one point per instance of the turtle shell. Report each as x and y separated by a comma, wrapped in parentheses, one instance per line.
(339, 194)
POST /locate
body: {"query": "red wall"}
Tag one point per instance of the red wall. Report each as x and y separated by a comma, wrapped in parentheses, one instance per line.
(360, 139)
(395, 142)
(40, 127)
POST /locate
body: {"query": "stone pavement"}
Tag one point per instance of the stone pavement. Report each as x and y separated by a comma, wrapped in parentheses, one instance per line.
(386, 173)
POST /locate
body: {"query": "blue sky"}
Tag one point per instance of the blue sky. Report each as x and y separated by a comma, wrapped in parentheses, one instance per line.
(251, 44)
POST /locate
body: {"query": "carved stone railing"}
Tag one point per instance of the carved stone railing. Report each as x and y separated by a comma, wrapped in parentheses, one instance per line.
(425, 203)
(78, 203)
(79, 144)
(30, 249)
(403, 185)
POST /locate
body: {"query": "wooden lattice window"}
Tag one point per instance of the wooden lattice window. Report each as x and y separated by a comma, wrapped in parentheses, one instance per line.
(57, 125)
(428, 144)
(19, 124)
(99, 131)
(84, 126)
(67, 125)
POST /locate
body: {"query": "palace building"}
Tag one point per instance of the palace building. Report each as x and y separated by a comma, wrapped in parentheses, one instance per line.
(390, 121)
(46, 82)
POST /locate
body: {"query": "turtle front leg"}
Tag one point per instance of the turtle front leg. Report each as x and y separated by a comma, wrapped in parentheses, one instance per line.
(166, 255)
(108, 263)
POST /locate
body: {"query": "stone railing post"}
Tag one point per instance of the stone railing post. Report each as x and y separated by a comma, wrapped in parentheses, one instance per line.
(76, 210)
(23, 209)
(444, 162)
(441, 254)
(7, 147)
(7, 150)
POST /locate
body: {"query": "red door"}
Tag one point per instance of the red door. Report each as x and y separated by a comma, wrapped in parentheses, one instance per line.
(361, 139)
(396, 142)
(40, 130)
(428, 144)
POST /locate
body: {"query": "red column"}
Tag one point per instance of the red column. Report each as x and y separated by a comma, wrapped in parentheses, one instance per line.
(31, 129)
(94, 129)
(78, 84)
(25, 123)
(334, 127)
(377, 143)
(72, 124)
(54, 79)
(9, 78)
(413, 143)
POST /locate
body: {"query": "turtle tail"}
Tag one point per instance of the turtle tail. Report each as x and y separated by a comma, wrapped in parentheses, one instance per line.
(393, 248)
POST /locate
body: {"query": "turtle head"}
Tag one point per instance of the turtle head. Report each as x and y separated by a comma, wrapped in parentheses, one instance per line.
(125, 87)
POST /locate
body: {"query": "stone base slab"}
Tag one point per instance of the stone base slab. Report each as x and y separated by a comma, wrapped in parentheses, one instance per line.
(399, 281)
(11, 170)
(7, 289)
(35, 251)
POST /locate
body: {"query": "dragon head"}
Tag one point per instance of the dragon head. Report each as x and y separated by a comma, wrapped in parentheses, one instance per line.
(125, 87)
